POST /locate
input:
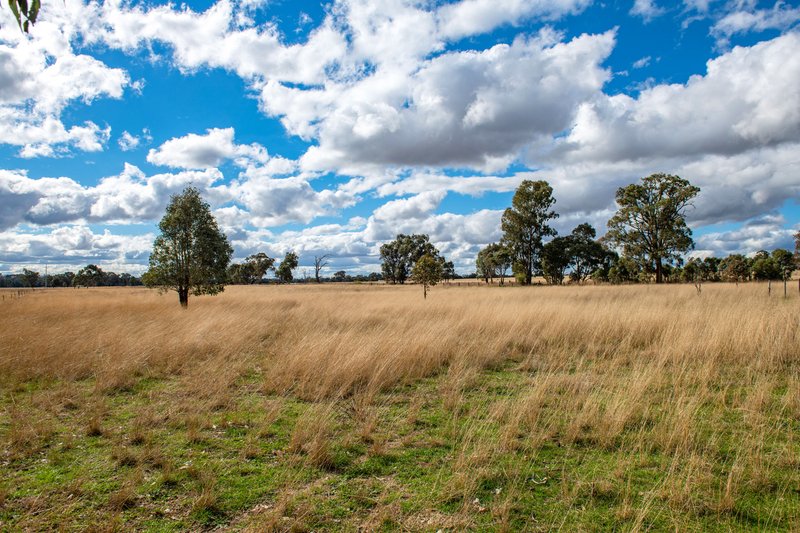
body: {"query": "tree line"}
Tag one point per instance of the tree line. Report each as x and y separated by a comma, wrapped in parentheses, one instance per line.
(88, 276)
(646, 241)
(649, 228)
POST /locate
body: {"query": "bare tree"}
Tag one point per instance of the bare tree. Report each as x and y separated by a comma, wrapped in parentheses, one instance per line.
(320, 263)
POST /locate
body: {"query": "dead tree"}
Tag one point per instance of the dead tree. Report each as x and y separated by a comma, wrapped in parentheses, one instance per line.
(320, 263)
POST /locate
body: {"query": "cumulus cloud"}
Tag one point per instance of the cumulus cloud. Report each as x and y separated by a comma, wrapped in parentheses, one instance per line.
(359, 72)
(471, 17)
(220, 37)
(748, 98)
(764, 233)
(128, 141)
(647, 9)
(40, 77)
(413, 208)
(266, 201)
(261, 196)
(746, 18)
(195, 151)
(210, 150)
(420, 182)
(463, 109)
(126, 198)
(67, 247)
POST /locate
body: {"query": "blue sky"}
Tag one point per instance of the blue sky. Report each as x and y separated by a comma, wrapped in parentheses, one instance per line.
(327, 128)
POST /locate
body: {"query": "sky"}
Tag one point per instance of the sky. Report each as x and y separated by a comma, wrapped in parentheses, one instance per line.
(330, 127)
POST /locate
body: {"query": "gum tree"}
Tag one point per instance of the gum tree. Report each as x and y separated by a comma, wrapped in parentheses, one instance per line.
(524, 225)
(427, 272)
(284, 270)
(650, 224)
(192, 254)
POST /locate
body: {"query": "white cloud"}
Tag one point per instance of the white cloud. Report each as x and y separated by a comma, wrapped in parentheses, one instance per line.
(129, 197)
(414, 208)
(210, 150)
(647, 9)
(256, 198)
(764, 233)
(420, 182)
(360, 68)
(700, 6)
(195, 151)
(40, 76)
(747, 19)
(66, 247)
(471, 17)
(463, 109)
(218, 37)
(748, 98)
(128, 141)
(268, 202)
(641, 63)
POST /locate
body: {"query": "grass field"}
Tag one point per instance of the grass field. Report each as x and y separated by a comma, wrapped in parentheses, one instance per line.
(341, 407)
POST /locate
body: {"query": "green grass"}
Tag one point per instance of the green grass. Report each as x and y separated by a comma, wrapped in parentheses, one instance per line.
(433, 458)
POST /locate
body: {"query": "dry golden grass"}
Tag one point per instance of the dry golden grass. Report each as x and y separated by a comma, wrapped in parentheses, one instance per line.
(333, 340)
(707, 380)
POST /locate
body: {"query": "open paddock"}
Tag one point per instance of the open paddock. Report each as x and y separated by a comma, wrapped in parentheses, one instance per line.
(347, 406)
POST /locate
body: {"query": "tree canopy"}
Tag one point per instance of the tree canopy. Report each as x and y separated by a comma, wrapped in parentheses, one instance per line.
(252, 270)
(89, 276)
(191, 254)
(399, 256)
(650, 224)
(555, 259)
(586, 253)
(31, 277)
(524, 225)
(284, 270)
(493, 261)
(428, 272)
(797, 249)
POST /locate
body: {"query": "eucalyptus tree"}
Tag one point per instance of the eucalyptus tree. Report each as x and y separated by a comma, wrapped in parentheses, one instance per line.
(284, 270)
(525, 224)
(320, 262)
(650, 224)
(399, 256)
(191, 255)
(586, 253)
(556, 258)
(427, 271)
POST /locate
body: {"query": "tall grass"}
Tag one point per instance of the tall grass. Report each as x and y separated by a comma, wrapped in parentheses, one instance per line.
(330, 341)
(710, 380)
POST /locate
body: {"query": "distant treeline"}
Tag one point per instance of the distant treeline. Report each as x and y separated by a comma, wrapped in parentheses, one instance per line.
(647, 240)
(88, 276)
(763, 266)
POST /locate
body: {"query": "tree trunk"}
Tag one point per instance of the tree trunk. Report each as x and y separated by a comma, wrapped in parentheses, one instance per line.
(659, 275)
(183, 296)
(424, 291)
